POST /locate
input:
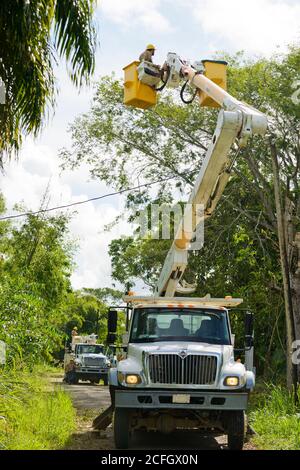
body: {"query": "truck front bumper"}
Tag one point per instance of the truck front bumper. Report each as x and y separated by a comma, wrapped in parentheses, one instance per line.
(164, 399)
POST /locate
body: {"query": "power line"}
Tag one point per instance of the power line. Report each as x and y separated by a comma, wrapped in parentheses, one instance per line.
(97, 198)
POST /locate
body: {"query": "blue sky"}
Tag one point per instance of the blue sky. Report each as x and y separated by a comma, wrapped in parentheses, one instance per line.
(195, 29)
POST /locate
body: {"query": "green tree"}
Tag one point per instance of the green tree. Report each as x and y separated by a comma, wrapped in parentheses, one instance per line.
(88, 313)
(88, 308)
(107, 295)
(32, 35)
(35, 269)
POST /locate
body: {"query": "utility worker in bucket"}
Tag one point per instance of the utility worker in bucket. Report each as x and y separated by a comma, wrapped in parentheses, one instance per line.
(148, 53)
(147, 56)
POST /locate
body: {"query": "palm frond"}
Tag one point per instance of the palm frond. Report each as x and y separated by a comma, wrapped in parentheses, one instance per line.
(27, 53)
(75, 36)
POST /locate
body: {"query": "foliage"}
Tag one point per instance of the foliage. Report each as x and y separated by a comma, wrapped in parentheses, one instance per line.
(33, 34)
(87, 310)
(108, 295)
(88, 313)
(137, 259)
(276, 421)
(31, 415)
(38, 306)
(35, 268)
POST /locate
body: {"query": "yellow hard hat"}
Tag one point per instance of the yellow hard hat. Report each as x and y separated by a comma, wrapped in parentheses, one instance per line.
(150, 46)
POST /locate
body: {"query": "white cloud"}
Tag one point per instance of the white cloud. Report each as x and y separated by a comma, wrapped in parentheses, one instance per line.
(128, 13)
(27, 180)
(258, 26)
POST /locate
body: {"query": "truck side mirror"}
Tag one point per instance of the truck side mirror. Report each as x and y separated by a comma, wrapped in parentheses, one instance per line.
(249, 320)
(112, 320)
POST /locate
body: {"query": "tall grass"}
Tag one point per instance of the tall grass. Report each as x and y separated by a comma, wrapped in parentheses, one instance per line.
(277, 420)
(33, 415)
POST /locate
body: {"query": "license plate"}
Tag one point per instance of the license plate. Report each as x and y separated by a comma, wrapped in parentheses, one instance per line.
(182, 399)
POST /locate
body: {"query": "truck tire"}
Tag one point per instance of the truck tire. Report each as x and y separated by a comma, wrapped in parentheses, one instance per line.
(236, 429)
(112, 395)
(122, 428)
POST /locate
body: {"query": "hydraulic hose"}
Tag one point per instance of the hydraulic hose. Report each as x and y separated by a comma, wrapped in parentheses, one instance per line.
(164, 81)
(182, 94)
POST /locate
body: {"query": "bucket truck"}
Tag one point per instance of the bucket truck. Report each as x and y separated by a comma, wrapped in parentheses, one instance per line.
(179, 370)
(85, 359)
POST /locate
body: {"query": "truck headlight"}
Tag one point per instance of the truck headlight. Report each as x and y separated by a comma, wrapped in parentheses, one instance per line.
(133, 379)
(129, 379)
(232, 381)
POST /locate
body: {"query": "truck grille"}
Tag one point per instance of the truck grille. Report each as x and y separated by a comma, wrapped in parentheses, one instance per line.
(191, 370)
(93, 361)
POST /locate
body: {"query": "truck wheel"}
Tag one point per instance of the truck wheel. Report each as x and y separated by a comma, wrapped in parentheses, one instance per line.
(105, 380)
(236, 430)
(112, 395)
(121, 428)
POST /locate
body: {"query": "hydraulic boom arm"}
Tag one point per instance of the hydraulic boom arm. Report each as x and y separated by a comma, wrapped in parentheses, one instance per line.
(236, 123)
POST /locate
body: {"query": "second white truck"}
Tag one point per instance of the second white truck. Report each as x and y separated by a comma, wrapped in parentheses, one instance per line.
(86, 360)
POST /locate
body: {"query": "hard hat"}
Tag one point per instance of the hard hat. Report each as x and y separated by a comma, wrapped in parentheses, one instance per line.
(75, 328)
(150, 46)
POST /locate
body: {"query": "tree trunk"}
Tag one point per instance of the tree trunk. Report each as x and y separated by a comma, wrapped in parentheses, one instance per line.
(295, 288)
(291, 370)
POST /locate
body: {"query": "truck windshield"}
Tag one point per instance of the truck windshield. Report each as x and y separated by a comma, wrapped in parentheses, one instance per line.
(89, 349)
(180, 324)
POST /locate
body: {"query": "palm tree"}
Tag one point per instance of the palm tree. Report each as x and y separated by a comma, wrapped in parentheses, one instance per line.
(33, 35)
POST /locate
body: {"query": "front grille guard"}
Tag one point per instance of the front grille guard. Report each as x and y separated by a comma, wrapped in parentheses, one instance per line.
(94, 363)
(182, 377)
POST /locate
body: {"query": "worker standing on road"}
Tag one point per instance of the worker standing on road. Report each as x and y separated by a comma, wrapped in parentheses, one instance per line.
(148, 53)
(70, 373)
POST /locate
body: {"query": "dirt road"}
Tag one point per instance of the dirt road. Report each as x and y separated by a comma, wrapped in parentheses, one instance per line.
(89, 400)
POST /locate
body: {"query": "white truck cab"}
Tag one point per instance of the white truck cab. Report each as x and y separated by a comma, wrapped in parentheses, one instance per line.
(179, 370)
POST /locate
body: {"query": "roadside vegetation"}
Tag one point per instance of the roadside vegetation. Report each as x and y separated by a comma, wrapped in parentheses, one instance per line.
(38, 309)
(33, 415)
(275, 418)
(38, 306)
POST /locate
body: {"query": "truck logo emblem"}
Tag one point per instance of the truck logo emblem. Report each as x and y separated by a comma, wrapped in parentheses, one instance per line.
(183, 354)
